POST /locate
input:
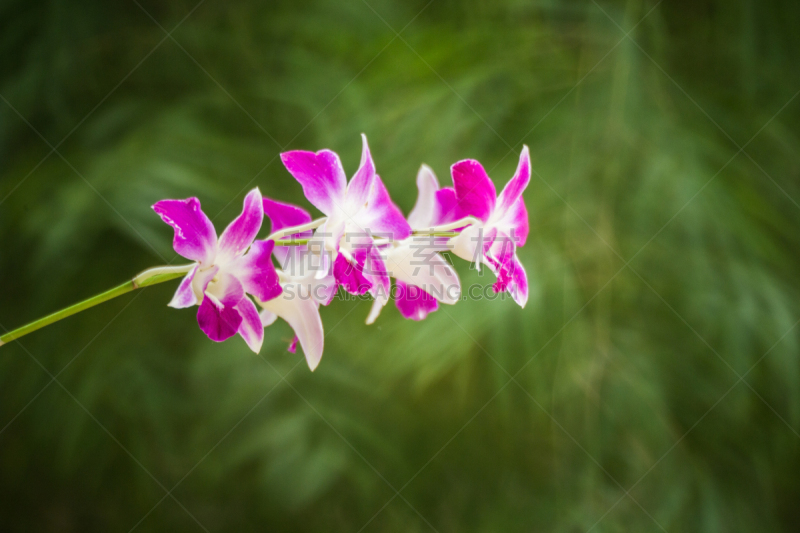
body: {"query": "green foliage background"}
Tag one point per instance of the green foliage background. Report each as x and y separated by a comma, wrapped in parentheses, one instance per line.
(663, 263)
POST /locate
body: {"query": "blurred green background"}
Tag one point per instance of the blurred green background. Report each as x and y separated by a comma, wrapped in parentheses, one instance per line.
(663, 262)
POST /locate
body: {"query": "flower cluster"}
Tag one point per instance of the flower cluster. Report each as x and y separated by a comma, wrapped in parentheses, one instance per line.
(361, 243)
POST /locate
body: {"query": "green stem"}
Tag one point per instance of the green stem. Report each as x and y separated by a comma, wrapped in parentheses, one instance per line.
(291, 242)
(149, 277)
(300, 242)
(435, 233)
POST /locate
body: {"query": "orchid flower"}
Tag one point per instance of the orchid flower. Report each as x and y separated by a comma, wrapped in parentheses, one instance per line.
(306, 280)
(422, 275)
(356, 212)
(361, 243)
(503, 222)
(226, 270)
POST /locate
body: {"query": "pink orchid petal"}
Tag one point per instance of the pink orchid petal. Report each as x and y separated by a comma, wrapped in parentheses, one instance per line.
(376, 272)
(515, 222)
(446, 206)
(219, 323)
(195, 237)
(282, 215)
(350, 275)
(240, 233)
(292, 348)
(185, 297)
(413, 302)
(511, 277)
(217, 316)
(425, 209)
(381, 216)
(302, 314)
(358, 190)
(475, 192)
(518, 288)
(321, 175)
(324, 289)
(500, 251)
(251, 329)
(515, 187)
(256, 272)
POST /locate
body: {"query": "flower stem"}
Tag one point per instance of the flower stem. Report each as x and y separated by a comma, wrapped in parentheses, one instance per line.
(291, 242)
(314, 224)
(466, 221)
(149, 277)
(435, 233)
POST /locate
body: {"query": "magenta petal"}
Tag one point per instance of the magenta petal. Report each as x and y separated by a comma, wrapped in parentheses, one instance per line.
(515, 187)
(360, 185)
(516, 220)
(292, 348)
(250, 329)
(321, 175)
(381, 216)
(324, 289)
(446, 206)
(376, 272)
(413, 302)
(217, 316)
(281, 216)
(256, 272)
(240, 233)
(511, 277)
(519, 286)
(350, 275)
(499, 251)
(195, 237)
(493, 238)
(217, 321)
(185, 297)
(475, 192)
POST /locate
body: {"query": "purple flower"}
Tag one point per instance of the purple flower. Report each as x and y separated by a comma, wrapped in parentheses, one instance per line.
(226, 270)
(357, 212)
(422, 275)
(504, 222)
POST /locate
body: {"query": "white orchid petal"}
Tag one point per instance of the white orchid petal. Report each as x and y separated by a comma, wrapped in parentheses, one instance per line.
(422, 215)
(428, 271)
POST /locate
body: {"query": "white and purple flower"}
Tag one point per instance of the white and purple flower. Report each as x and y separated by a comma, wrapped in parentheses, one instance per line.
(305, 278)
(361, 244)
(422, 276)
(226, 270)
(503, 222)
(357, 213)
